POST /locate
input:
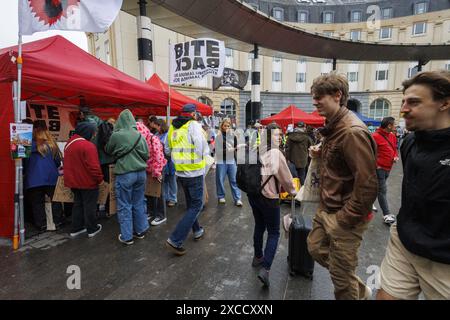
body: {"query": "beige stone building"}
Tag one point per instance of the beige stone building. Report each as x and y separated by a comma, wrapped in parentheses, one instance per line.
(376, 86)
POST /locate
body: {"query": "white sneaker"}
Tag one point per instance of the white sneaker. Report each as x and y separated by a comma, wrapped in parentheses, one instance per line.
(374, 208)
(74, 234)
(389, 219)
(99, 228)
(158, 221)
(222, 201)
(367, 294)
(239, 203)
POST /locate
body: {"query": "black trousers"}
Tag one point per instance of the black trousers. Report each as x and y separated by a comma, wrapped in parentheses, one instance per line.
(156, 207)
(301, 174)
(84, 210)
(37, 198)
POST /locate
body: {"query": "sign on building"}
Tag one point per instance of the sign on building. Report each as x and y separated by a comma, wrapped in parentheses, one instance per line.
(195, 59)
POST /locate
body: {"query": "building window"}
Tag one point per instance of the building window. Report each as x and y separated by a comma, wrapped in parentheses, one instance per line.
(355, 16)
(352, 76)
(302, 16)
(421, 7)
(278, 14)
(229, 63)
(254, 6)
(386, 33)
(379, 109)
(300, 77)
(326, 67)
(412, 71)
(447, 67)
(277, 60)
(327, 17)
(328, 34)
(382, 75)
(205, 100)
(228, 106)
(387, 13)
(276, 76)
(419, 28)
(355, 35)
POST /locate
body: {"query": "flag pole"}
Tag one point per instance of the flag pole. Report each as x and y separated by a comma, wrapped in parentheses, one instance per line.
(170, 88)
(19, 230)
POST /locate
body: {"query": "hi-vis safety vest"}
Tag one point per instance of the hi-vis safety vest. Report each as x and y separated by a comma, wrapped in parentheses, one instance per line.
(183, 152)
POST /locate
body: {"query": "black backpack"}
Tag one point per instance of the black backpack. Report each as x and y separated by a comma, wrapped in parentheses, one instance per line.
(105, 130)
(248, 176)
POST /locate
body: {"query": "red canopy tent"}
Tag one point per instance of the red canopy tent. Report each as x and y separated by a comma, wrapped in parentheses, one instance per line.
(316, 114)
(57, 72)
(292, 115)
(177, 99)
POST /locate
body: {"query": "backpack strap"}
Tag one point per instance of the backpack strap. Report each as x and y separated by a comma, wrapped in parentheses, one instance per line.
(390, 143)
(74, 140)
(276, 183)
(131, 149)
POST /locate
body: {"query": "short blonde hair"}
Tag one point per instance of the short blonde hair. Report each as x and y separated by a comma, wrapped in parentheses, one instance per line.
(330, 84)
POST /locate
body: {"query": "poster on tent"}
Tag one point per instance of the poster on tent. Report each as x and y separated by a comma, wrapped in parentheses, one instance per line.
(195, 59)
(60, 121)
(21, 135)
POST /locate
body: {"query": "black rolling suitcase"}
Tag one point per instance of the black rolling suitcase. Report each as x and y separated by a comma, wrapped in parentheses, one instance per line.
(299, 260)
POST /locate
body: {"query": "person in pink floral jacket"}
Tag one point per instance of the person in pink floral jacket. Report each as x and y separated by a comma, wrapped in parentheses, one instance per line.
(156, 207)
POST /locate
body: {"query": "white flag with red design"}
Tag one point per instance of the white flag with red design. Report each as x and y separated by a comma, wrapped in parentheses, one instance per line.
(77, 15)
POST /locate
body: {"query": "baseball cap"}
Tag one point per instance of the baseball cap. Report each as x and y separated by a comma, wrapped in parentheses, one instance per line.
(85, 109)
(188, 108)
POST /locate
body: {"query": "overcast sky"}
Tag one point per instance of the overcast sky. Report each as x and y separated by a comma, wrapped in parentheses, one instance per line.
(9, 28)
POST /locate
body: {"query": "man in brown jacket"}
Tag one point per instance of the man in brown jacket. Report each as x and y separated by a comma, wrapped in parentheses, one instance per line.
(348, 190)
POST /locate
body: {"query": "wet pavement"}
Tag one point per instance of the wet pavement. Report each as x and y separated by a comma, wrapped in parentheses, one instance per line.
(216, 267)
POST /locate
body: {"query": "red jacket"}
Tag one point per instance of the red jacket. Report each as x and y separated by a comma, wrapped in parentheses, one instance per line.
(81, 165)
(386, 152)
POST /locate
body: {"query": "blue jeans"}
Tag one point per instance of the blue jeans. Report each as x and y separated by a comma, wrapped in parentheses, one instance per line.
(170, 188)
(222, 170)
(193, 191)
(131, 213)
(382, 176)
(266, 218)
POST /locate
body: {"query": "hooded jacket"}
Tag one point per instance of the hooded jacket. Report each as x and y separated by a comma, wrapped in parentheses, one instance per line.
(104, 157)
(157, 161)
(423, 222)
(123, 140)
(298, 143)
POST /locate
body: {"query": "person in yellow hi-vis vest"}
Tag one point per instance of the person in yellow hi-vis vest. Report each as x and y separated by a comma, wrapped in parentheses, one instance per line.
(188, 148)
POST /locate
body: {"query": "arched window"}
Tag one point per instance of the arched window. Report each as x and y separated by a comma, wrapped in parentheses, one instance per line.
(379, 109)
(205, 100)
(228, 107)
(354, 105)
